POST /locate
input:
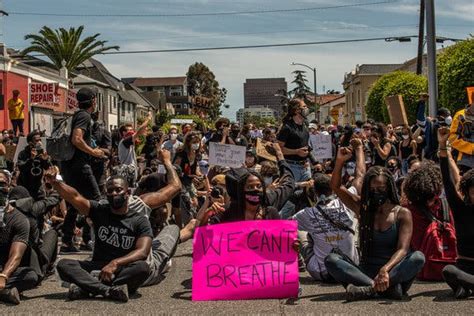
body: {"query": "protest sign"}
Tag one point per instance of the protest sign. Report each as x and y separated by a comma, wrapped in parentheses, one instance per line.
(245, 260)
(224, 155)
(181, 121)
(396, 110)
(322, 146)
(262, 151)
(10, 152)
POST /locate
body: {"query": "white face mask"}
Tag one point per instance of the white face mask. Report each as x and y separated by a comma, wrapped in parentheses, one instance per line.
(195, 146)
(173, 136)
(305, 112)
(448, 120)
(405, 136)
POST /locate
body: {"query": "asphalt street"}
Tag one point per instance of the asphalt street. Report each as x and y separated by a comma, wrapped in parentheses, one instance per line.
(173, 296)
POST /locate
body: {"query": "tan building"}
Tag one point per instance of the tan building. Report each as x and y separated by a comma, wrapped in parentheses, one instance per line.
(357, 85)
(330, 110)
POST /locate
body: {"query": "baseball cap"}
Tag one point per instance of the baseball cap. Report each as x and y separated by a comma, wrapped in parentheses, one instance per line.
(85, 95)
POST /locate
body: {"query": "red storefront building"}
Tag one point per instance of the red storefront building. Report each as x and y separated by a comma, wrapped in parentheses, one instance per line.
(15, 75)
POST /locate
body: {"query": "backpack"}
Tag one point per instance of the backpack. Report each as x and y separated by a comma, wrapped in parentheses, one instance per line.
(59, 145)
(438, 245)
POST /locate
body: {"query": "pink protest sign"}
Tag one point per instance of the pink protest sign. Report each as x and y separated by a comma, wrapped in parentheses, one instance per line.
(245, 260)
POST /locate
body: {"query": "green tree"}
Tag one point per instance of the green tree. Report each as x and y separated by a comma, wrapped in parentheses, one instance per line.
(455, 65)
(66, 45)
(162, 117)
(301, 89)
(202, 82)
(407, 84)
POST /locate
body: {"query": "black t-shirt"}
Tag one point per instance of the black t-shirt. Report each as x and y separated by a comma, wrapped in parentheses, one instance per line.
(16, 229)
(294, 136)
(116, 235)
(82, 119)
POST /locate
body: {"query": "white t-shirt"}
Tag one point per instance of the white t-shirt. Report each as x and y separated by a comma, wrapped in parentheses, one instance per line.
(325, 235)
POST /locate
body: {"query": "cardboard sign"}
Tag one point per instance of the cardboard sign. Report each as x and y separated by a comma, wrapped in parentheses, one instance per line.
(10, 152)
(396, 110)
(181, 121)
(201, 102)
(44, 93)
(225, 155)
(262, 151)
(245, 260)
(470, 94)
(322, 146)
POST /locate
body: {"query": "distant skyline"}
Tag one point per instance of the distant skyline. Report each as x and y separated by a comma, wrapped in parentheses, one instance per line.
(454, 19)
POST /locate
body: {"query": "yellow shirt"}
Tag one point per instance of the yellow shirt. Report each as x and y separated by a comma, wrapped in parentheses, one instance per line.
(15, 109)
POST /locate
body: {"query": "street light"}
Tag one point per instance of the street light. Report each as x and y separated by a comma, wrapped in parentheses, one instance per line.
(314, 73)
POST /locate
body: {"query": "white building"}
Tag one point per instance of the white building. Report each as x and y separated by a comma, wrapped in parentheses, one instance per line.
(262, 112)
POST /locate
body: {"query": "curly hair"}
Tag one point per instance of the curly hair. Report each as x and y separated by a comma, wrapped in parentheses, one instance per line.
(423, 184)
(466, 182)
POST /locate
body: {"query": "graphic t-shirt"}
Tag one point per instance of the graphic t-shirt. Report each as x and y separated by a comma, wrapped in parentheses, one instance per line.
(116, 235)
(325, 235)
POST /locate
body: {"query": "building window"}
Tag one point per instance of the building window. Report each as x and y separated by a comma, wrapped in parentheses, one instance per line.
(129, 107)
(176, 91)
(123, 108)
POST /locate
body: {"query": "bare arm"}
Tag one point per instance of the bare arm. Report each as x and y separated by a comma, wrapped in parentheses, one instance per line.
(385, 151)
(156, 199)
(360, 164)
(80, 203)
(140, 252)
(287, 151)
(78, 141)
(142, 128)
(346, 197)
(17, 250)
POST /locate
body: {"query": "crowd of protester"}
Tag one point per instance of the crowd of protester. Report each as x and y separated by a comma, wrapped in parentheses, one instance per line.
(368, 218)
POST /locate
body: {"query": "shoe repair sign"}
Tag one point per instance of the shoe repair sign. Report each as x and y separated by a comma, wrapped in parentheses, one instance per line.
(41, 93)
(245, 260)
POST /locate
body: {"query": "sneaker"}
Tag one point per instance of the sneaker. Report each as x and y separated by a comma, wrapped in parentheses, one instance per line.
(65, 248)
(10, 296)
(76, 293)
(357, 293)
(394, 293)
(461, 293)
(118, 293)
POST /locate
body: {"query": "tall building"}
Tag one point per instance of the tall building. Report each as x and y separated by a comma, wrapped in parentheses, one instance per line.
(263, 93)
(254, 111)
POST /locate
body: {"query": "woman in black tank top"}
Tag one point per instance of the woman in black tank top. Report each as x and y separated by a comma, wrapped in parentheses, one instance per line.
(388, 267)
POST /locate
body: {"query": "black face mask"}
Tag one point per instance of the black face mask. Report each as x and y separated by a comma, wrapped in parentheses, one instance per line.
(117, 201)
(235, 134)
(377, 198)
(254, 197)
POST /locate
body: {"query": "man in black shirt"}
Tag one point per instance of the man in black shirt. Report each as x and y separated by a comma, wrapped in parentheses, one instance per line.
(15, 251)
(77, 172)
(293, 139)
(222, 134)
(31, 162)
(123, 238)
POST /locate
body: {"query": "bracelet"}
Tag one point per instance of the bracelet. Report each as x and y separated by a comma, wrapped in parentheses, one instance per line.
(3, 275)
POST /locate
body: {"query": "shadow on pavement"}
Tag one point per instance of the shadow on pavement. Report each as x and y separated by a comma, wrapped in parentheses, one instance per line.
(182, 295)
(187, 284)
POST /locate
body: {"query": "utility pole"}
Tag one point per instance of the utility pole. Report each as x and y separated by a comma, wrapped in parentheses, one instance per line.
(421, 38)
(431, 52)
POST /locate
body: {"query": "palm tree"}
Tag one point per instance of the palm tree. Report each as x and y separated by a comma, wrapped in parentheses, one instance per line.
(66, 45)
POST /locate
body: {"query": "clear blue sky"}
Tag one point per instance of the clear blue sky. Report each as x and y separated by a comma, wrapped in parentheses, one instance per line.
(454, 19)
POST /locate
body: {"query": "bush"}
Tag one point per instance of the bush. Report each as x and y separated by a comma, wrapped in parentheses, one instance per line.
(455, 66)
(405, 83)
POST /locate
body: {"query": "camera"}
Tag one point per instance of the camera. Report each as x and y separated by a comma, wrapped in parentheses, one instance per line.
(39, 149)
(216, 192)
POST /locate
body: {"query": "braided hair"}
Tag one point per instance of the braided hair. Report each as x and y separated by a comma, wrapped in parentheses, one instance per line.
(367, 211)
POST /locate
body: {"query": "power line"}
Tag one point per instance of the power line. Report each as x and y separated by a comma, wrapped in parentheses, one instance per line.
(146, 15)
(174, 50)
